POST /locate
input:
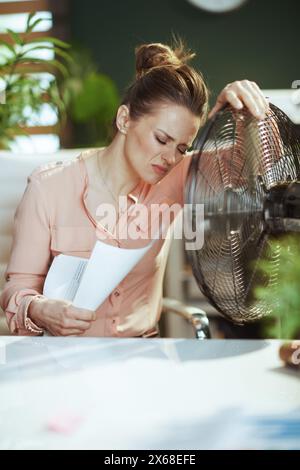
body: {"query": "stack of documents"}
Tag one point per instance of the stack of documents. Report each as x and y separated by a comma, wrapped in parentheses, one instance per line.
(88, 282)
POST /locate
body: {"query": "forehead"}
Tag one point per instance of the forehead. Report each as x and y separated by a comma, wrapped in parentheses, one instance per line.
(172, 118)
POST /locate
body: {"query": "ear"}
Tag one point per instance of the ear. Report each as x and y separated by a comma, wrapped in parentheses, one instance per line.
(123, 119)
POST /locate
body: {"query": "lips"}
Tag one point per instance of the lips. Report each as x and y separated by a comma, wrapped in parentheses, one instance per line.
(160, 170)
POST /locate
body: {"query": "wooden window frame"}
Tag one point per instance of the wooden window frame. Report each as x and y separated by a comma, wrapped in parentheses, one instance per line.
(60, 30)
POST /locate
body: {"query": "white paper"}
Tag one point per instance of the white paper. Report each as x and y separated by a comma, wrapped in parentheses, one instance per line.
(107, 267)
(64, 277)
(88, 282)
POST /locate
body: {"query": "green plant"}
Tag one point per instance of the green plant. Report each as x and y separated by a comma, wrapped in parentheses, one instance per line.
(284, 298)
(92, 99)
(23, 90)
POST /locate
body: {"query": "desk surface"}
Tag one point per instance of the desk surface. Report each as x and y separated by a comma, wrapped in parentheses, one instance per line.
(145, 393)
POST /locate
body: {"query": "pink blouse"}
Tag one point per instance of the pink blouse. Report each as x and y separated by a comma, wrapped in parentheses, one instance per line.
(57, 214)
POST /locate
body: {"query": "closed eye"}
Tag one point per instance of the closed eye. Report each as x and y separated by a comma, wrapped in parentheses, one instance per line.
(160, 141)
(164, 143)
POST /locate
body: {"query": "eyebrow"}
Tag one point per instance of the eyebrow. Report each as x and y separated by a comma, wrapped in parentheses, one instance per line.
(172, 138)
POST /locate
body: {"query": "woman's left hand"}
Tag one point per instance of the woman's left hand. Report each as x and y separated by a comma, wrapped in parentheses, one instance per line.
(242, 93)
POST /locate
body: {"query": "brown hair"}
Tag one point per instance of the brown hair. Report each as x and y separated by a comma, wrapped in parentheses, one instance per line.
(162, 74)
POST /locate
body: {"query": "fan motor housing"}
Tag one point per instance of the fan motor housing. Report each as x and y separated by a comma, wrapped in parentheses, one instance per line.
(282, 208)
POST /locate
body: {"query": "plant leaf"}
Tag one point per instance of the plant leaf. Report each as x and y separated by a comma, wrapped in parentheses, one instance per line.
(16, 37)
(30, 16)
(9, 46)
(57, 50)
(63, 54)
(35, 23)
(60, 66)
(57, 42)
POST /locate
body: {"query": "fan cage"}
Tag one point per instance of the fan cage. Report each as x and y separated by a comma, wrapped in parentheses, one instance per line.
(236, 162)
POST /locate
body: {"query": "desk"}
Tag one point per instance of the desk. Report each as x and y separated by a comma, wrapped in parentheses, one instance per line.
(143, 393)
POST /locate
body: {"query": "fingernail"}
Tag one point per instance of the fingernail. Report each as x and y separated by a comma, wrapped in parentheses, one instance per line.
(258, 114)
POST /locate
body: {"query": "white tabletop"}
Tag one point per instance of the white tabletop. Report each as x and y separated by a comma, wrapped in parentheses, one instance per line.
(146, 393)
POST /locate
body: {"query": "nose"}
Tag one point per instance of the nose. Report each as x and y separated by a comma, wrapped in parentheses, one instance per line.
(170, 156)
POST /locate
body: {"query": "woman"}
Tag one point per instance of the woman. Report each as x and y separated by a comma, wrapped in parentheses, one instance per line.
(146, 162)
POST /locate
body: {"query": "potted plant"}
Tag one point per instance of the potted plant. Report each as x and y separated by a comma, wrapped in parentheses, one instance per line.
(283, 299)
(22, 91)
(92, 99)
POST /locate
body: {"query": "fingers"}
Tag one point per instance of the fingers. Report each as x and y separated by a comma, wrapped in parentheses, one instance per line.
(264, 99)
(233, 99)
(62, 318)
(82, 314)
(74, 320)
(70, 332)
(70, 327)
(71, 323)
(240, 93)
(250, 101)
(227, 96)
(56, 331)
(257, 96)
(215, 109)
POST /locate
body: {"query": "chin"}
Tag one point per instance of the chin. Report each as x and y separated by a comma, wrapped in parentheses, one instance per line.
(152, 180)
(155, 179)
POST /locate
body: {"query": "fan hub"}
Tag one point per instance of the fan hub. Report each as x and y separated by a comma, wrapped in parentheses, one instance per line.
(282, 208)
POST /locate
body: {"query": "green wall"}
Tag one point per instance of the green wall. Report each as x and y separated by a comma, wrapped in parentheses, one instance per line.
(260, 41)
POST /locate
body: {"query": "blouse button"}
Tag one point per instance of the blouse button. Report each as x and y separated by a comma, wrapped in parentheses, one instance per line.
(117, 293)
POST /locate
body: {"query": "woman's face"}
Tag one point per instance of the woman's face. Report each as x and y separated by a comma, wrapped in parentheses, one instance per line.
(156, 142)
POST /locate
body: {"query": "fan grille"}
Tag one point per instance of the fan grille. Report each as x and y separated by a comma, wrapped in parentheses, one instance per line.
(237, 160)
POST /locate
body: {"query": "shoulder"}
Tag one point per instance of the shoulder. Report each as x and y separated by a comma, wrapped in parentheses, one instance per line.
(173, 183)
(180, 170)
(53, 170)
(62, 169)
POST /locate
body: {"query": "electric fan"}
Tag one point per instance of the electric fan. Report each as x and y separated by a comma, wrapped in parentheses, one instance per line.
(246, 173)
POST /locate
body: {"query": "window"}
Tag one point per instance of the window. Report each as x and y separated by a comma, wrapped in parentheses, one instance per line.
(43, 136)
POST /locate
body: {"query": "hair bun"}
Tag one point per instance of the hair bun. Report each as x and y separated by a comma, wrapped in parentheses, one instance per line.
(149, 56)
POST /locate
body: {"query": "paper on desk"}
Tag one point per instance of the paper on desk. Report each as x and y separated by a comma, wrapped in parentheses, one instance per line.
(88, 282)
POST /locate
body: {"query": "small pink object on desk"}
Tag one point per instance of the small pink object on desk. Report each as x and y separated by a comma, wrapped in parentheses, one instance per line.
(64, 423)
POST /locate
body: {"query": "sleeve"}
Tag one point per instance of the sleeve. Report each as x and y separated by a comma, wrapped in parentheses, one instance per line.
(29, 259)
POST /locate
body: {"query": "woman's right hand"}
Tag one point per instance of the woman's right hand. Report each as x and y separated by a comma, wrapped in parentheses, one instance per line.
(60, 317)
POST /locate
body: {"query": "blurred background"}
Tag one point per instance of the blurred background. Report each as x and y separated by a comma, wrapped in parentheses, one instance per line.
(256, 40)
(64, 65)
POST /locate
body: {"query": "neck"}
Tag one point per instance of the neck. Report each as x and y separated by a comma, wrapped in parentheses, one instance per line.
(116, 168)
